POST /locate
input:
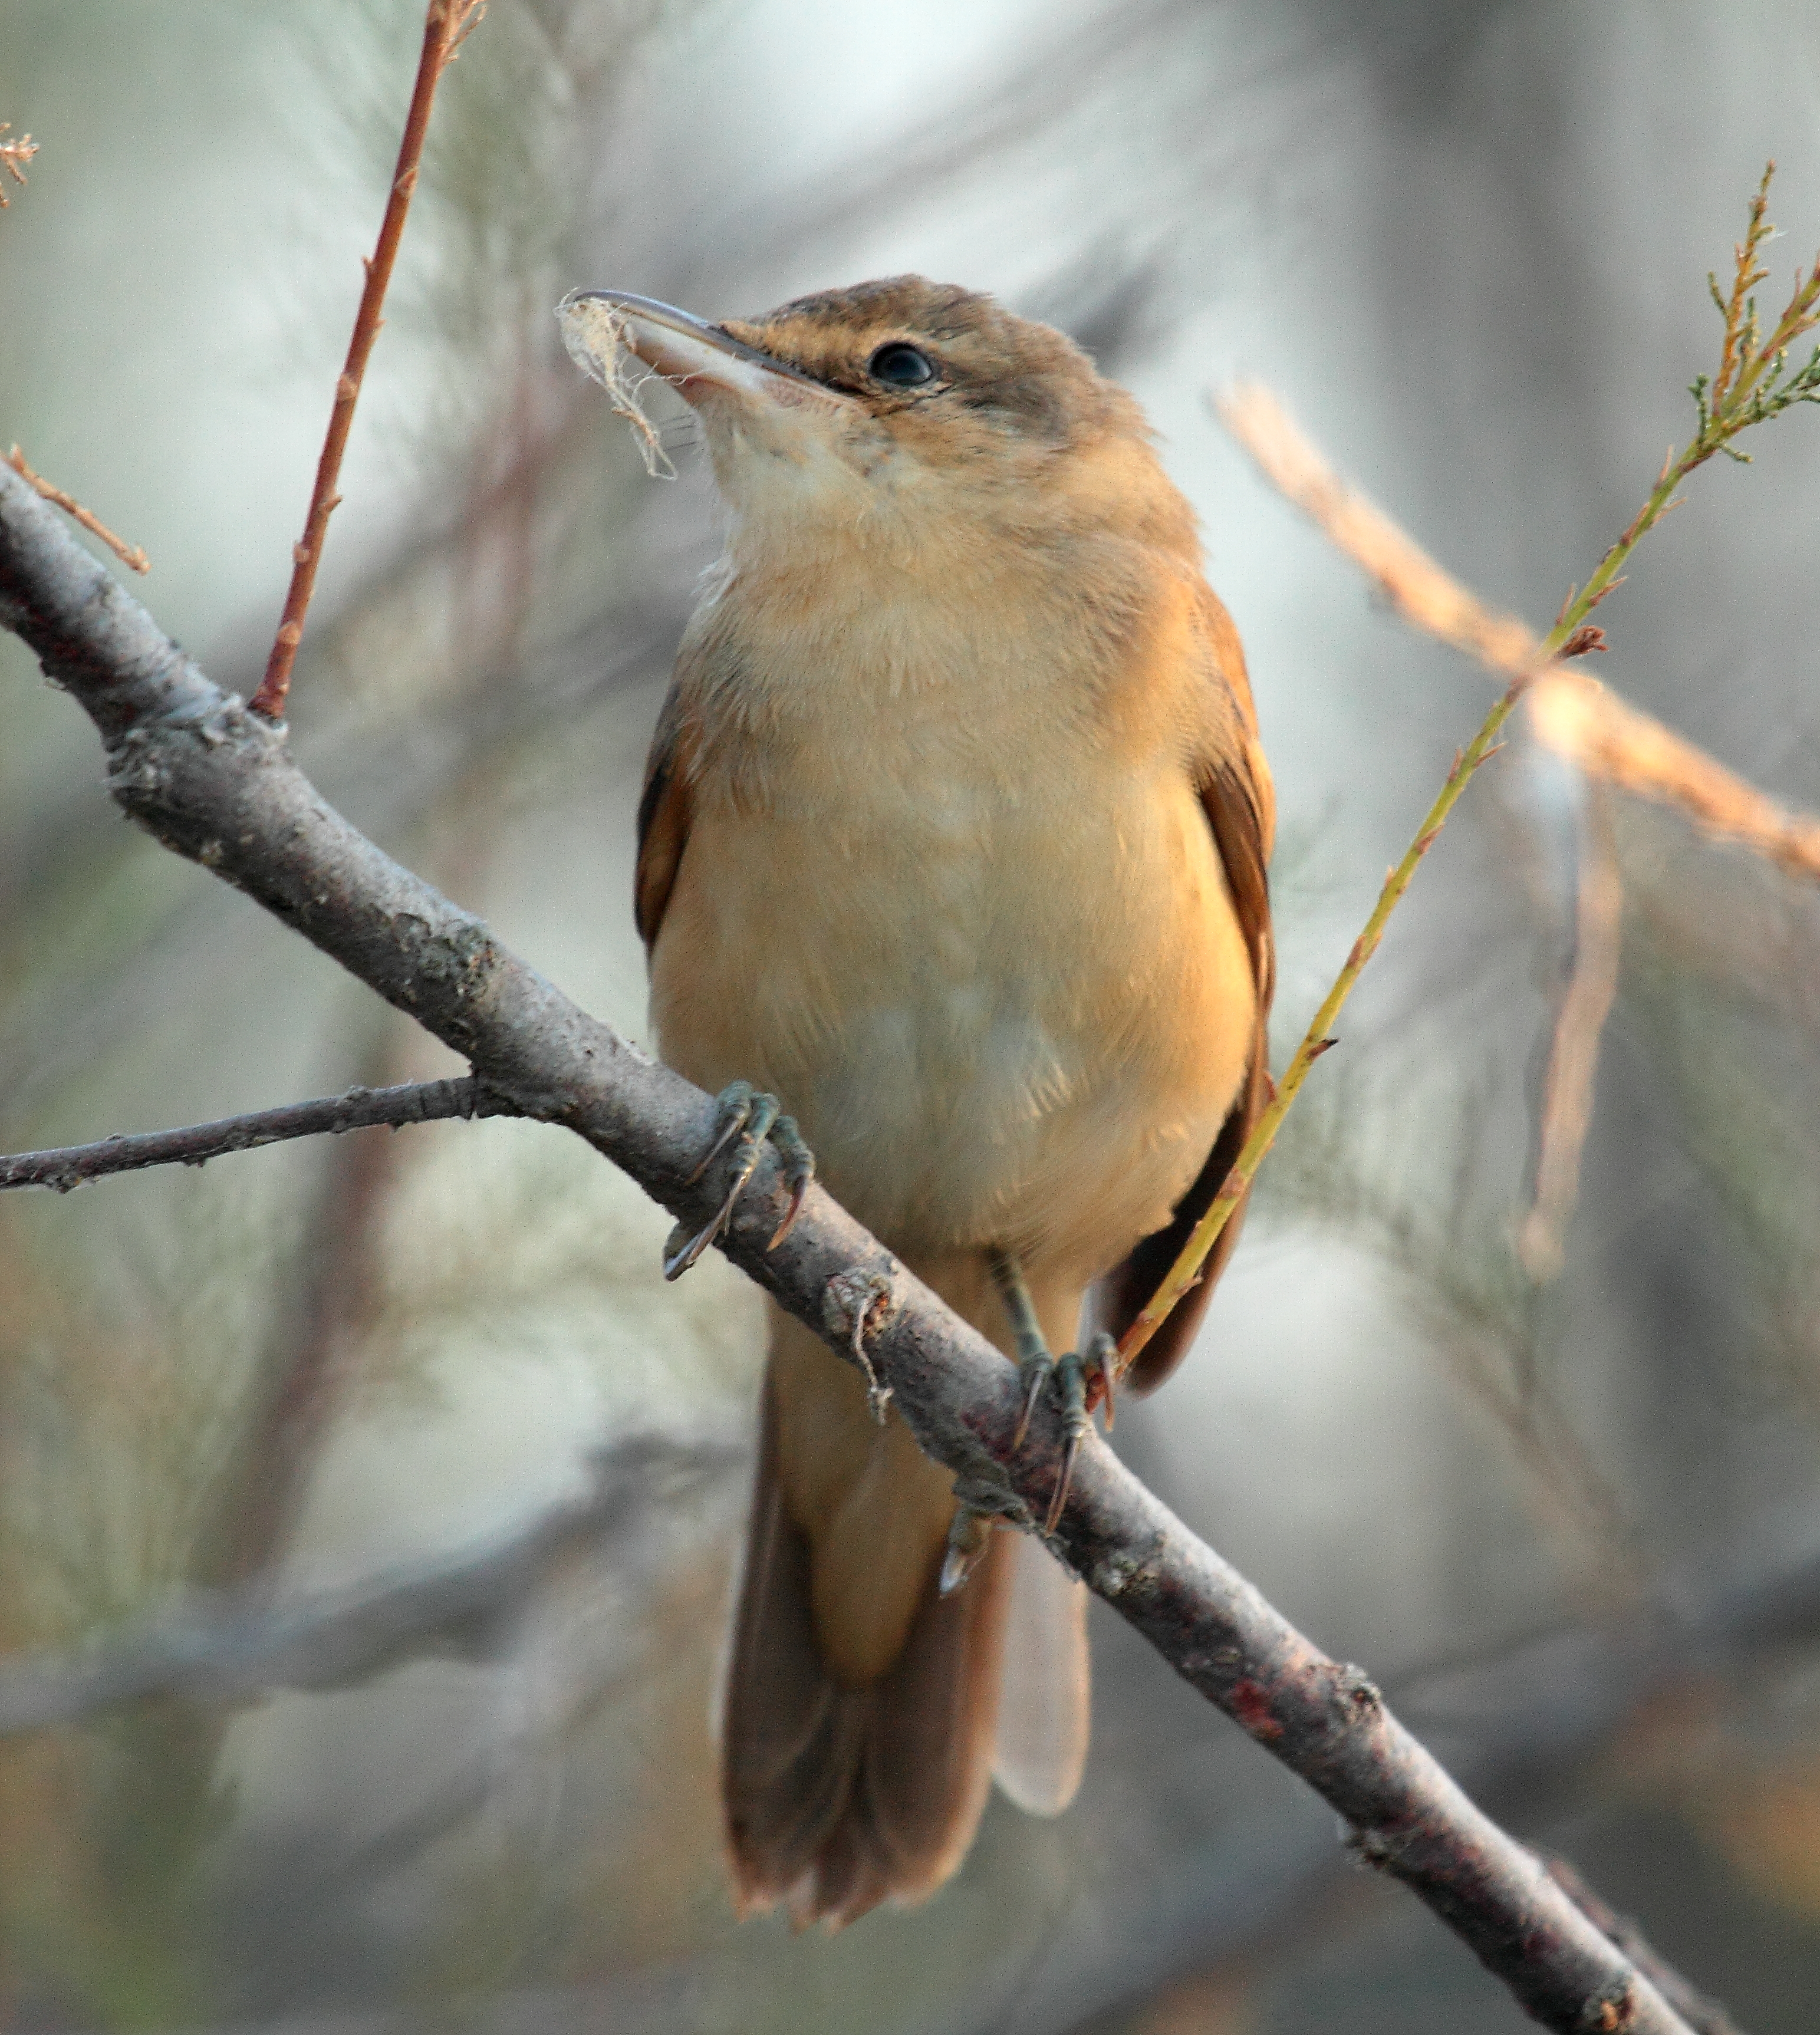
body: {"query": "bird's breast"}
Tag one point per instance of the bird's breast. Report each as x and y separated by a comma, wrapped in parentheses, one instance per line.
(984, 955)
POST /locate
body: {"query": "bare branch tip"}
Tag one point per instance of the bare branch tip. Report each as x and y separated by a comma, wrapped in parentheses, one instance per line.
(446, 22)
(132, 556)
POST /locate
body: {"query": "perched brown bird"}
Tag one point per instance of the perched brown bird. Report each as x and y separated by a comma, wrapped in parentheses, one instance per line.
(953, 839)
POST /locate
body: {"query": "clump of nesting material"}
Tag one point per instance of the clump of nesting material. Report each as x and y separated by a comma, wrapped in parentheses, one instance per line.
(594, 332)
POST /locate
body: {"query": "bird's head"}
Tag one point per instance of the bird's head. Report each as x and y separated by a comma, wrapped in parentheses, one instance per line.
(872, 409)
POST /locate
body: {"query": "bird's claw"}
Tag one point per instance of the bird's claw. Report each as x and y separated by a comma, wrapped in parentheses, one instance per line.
(980, 1503)
(1081, 1380)
(1070, 1374)
(749, 1116)
(969, 1533)
(1033, 1374)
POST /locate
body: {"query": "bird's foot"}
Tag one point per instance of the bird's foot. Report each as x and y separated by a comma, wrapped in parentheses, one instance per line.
(750, 1115)
(980, 1503)
(1079, 1381)
(969, 1533)
(1069, 1379)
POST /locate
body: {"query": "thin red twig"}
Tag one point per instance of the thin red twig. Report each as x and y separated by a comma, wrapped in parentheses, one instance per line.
(446, 25)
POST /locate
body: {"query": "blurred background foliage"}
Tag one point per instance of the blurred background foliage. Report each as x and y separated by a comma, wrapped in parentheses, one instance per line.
(1467, 240)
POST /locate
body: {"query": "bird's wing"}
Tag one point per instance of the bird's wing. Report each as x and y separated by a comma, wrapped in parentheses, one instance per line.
(1237, 796)
(664, 811)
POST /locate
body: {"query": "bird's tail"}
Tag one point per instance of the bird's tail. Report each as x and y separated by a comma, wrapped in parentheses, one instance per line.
(843, 1790)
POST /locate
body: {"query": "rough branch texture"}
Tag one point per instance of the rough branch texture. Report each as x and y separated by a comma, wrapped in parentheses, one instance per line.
(1520, 1727)
(361, 1108)
(215, 783)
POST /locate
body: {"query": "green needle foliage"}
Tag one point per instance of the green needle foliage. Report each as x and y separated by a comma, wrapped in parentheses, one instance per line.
(1754, 382)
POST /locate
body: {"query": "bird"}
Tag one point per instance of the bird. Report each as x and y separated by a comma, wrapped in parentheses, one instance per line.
(952, 873)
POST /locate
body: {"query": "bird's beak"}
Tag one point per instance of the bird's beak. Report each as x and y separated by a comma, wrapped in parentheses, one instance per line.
(697, 359)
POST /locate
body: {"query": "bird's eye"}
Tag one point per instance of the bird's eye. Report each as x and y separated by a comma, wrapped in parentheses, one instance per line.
(901, 365)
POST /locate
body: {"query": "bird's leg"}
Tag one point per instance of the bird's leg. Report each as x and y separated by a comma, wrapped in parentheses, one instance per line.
(751, 1116)
(1036, 1366)
(970, 1529)
(1072, 1374)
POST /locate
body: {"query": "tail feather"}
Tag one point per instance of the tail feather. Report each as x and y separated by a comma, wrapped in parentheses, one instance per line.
(838, 1798)
(1039, 1749)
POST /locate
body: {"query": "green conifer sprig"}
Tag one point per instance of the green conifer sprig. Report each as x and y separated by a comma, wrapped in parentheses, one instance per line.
(1754, 382)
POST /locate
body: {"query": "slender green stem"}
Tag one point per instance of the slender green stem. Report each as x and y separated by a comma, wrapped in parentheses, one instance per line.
(1749, 388)
(1187, 1270)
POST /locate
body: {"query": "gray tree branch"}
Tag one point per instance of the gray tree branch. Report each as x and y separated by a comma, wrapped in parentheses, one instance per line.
(215, 783)
(1520, 1726)
(71, 1166)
